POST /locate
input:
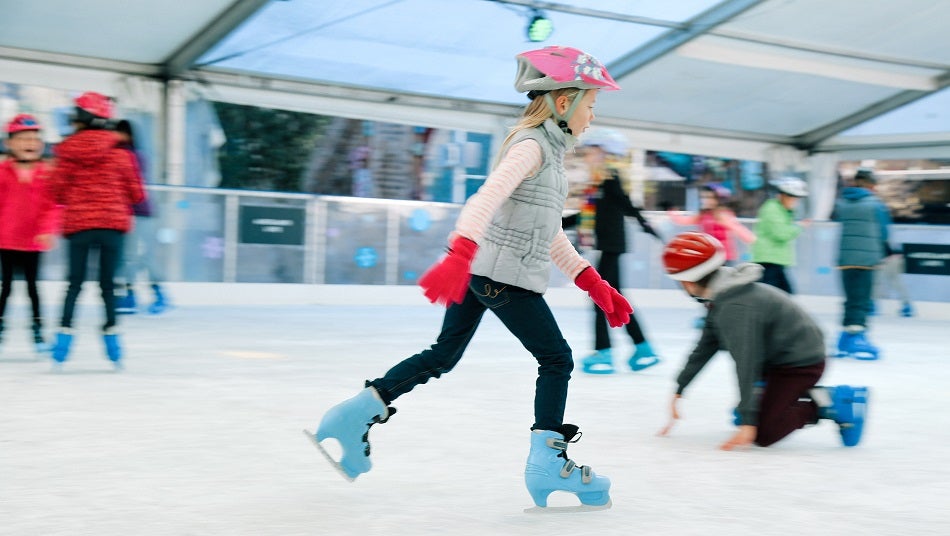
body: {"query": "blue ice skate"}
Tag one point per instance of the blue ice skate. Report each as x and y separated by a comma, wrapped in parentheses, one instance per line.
(39, 343)
(113, 349)
(599, 362)
(856, 345)
(849, 406)
(348, 422)
(64, 341)
(549, 470)
(643, 357)
(907, 310)
(160, 304)
(125, 305)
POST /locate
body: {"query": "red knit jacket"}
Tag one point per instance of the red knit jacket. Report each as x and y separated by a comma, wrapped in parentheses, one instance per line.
(96, 181)
(27, 209)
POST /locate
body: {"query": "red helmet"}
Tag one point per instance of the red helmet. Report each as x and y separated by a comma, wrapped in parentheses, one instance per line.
(21, 123)
(95, 104)
(692, 256)
(558, 67)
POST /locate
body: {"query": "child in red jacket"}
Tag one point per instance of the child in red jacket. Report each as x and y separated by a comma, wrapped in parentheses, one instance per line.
(96, 182)
(28, 216)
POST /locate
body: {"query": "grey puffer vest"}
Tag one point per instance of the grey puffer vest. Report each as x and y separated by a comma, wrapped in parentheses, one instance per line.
(516, 248)
(862, 240)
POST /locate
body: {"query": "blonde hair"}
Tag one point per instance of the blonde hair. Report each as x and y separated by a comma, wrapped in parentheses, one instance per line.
(535, 113)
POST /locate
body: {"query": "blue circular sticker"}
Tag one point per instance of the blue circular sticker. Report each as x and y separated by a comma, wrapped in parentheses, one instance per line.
(366, 257)
(420, 220)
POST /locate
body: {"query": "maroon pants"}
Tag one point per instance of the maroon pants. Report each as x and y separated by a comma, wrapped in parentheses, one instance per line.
(785, 405)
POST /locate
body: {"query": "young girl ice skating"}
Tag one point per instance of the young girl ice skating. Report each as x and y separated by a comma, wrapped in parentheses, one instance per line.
(500, 256)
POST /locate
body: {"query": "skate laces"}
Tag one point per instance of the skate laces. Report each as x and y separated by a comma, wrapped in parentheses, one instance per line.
(377, 419)
(572, 434)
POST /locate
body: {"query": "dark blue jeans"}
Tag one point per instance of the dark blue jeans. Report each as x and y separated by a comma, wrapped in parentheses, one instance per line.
(526, 315)
(857, 284)
(109, 244)
(774, 274)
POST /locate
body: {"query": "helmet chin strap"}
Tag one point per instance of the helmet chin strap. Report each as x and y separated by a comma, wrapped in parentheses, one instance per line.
(563, 119)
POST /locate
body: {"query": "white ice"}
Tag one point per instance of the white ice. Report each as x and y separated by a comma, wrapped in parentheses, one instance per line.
(201, 434)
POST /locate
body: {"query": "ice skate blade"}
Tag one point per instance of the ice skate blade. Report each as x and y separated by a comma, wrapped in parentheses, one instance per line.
(336, 465)
(567, 509)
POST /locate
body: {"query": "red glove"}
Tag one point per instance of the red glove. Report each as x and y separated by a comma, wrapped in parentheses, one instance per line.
(612, 303)
(447, 280)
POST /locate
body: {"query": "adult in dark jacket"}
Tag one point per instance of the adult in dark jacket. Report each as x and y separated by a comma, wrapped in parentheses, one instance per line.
(97, 183)
(606, 208)
(864, 220)
(774, 342)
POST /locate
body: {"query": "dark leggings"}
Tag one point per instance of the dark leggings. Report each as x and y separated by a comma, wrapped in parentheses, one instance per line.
(784, 407)
(109, 244)
(609, 269)
(29, 263)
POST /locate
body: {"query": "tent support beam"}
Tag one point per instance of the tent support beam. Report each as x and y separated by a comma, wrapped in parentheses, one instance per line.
(206, 38)
(691, 29)
(809, 140)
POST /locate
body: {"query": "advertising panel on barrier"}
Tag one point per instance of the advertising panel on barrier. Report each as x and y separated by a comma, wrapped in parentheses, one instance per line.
(931, 259)
(272, 225)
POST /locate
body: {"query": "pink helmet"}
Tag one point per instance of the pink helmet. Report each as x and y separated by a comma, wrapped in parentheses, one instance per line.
(557, 67)
(22, 122)
(95, 104)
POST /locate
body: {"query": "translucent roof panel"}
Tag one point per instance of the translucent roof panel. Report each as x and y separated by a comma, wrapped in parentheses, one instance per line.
(459, 49)
(927, 115)
(144, 32)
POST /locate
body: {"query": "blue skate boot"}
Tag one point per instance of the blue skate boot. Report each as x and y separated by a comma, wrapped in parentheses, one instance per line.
(348, 422)
(599, 362)
(907, 310)
(643, 357)
(39, 343)
(848, 408)
(64, 340)
(844, 345)
(110, 338)
(161, 302)
(862, 349)
(549, 470)
(125, 305)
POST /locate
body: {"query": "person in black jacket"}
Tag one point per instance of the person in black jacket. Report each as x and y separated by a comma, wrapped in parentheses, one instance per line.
(600, 224)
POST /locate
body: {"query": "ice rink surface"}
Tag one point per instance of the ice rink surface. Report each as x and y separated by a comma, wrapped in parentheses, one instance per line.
(201, 434)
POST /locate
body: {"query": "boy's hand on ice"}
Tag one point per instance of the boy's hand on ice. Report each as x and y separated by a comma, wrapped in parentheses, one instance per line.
(743, 438)
(674, 416)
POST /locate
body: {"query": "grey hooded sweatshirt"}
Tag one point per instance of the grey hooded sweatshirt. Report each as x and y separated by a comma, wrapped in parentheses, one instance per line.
(760, 325)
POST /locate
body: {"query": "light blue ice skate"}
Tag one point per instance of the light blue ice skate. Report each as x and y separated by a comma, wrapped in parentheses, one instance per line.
(125, 305)
(643, 357)
(599, 362)
(39, 343)
(64, 341)
(161, 303)
(849, 406)
(907, 310)
(348, 422)
(549, 470)
(113, 349)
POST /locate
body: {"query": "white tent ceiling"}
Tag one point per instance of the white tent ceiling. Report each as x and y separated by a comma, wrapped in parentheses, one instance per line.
(812, 74)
